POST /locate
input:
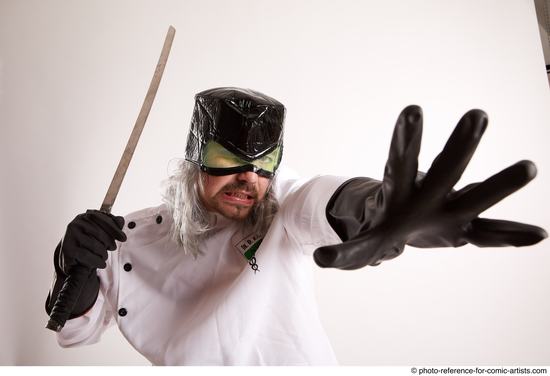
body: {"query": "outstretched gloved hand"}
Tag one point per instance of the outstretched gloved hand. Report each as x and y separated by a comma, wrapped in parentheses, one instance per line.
(377, 219)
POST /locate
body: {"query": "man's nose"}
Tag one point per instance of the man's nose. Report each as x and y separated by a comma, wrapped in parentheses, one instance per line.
(248, 177)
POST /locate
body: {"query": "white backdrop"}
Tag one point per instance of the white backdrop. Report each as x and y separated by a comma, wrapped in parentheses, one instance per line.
(73, 75)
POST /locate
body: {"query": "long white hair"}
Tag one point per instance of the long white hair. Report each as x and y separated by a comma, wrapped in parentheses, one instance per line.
(192, 222)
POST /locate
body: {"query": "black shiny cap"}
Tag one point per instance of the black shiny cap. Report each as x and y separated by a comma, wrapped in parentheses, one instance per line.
(245, 122)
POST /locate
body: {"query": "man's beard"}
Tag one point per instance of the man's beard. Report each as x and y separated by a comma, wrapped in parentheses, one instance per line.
(193, 224)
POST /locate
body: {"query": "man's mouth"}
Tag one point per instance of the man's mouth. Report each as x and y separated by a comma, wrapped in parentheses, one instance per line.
(243, 198)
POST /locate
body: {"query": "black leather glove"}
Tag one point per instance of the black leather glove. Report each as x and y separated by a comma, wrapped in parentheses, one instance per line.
(377, 219)
(87, 239)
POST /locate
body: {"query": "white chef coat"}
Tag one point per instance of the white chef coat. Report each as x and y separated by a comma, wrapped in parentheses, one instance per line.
(215, 310)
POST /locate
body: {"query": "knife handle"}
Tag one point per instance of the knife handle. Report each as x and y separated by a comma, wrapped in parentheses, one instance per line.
(67, 297)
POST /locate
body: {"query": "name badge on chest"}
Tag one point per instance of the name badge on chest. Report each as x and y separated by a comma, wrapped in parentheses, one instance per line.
(247, 246)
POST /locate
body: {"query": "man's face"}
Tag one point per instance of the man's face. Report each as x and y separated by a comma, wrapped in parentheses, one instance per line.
(233, 196)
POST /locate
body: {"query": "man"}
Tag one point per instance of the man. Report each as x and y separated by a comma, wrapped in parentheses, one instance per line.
(220, 274)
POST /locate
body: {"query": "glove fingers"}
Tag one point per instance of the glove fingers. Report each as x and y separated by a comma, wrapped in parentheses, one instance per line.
(339, 256)
(119, 221)
(365, 249)
(449, 165)
(93, 236)
(500, 233)
(402, 165)
(487, 193)
(96, 246)
(109, 223)
(87, 258)
(453, 195)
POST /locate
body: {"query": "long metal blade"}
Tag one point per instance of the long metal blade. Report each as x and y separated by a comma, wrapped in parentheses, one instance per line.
(120, 172)
(74, 283)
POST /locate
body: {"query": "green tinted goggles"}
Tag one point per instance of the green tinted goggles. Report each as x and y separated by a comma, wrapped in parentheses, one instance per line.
(218, 161)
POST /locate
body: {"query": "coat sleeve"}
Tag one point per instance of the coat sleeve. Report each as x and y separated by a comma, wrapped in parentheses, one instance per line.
(88, 328)
(304, 211)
